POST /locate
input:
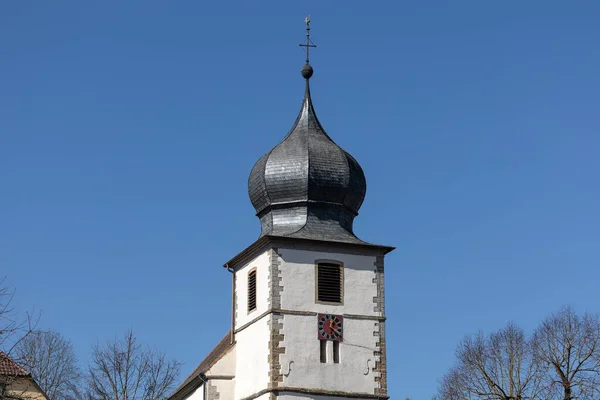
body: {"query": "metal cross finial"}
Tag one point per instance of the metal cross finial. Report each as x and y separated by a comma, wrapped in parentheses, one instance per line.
(309, 42)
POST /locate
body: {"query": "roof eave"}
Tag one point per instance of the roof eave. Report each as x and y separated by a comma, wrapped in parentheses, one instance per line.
(183, 392)
(265, 240)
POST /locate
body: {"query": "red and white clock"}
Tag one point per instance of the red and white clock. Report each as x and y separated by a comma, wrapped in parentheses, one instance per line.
(330, 327)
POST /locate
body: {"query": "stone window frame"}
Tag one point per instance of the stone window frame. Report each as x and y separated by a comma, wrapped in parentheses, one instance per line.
(323, 351)
(336, 351)
(255, 272)
(342, 281)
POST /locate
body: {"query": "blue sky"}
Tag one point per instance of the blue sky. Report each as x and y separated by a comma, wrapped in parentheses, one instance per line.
(128, 130)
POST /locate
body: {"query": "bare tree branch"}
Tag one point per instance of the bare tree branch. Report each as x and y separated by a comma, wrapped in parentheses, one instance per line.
(560, 362)
(567, 346)
(50, 359)
(13, 329)
(125, 370)
(497, 367)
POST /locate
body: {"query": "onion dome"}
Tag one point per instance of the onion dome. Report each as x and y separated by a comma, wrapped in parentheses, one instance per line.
(307, 186)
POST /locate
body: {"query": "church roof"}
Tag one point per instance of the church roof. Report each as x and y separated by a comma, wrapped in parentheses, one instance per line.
(215, 355)
(307, 186)
(9, 367)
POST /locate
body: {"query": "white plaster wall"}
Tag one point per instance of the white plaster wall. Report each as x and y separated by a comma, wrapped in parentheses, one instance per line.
(298, 396)
(302, 347)
(252, 351)
(226, 388)
(224, 366)
(197, 394)
(298, 273)
(261, 263)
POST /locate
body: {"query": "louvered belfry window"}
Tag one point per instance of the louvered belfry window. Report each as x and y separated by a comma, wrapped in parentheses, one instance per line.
(252, 290)
(329, 283)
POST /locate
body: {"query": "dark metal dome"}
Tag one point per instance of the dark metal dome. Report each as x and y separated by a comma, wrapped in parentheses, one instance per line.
(307, 186)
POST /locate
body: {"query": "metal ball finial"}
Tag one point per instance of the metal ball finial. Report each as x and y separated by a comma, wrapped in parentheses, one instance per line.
(307, 71)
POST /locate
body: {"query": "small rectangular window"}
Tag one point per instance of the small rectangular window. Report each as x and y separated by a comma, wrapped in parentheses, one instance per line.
(323, 344)
(336, 352)
(329, 283)
(252, 290)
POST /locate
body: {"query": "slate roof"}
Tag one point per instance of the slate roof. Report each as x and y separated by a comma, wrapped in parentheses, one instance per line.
(307, 186)
(215, 355)
(9, 367)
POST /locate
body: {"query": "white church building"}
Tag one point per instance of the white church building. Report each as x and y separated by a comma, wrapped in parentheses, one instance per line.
(308, 318)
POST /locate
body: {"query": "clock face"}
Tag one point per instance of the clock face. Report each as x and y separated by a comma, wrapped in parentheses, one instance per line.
(330, 327)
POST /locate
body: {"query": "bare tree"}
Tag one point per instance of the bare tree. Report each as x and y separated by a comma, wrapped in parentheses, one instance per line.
(568, 347)
(15, 380)
(7, 322)
(497, 367)
(50, 359)
(125, 370)
(13, 328)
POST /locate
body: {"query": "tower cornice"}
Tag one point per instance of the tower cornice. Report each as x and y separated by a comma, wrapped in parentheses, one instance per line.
(267, 241)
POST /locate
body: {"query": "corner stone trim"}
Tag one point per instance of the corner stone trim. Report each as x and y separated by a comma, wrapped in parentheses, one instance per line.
(212, 393)
(379, 299)
(379, 331)
(276, 347)
(275, 286)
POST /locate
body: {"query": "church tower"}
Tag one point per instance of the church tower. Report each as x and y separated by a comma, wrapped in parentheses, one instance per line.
(308, 318)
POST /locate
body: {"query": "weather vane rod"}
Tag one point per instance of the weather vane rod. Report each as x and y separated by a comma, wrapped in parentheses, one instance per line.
(309, 42)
